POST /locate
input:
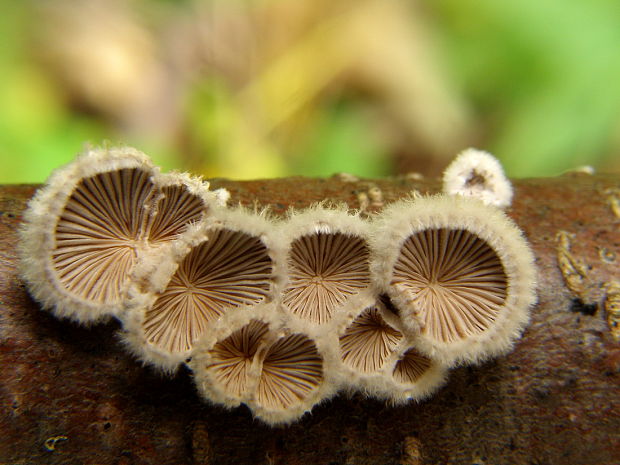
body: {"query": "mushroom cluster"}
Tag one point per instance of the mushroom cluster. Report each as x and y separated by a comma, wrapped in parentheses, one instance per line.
(281, 314)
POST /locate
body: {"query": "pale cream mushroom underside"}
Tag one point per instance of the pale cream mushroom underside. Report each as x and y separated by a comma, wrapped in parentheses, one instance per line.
(376, 359)
(225, 361)
(460, 272)
(295, 375)
(368, 343)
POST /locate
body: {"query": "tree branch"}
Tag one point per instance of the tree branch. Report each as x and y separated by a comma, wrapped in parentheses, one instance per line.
(71, 395)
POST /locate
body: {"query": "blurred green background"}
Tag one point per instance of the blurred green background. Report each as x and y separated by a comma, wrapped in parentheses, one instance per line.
(267, 88)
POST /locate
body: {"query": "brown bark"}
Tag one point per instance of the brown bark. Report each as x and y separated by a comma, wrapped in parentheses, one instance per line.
(71, 395)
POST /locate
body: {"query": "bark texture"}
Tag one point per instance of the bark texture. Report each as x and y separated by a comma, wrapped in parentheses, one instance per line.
(71, 395)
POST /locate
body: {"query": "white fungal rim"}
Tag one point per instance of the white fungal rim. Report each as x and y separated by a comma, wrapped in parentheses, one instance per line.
(319, 220)
(405, 218)
(155, 271)
(38, 231)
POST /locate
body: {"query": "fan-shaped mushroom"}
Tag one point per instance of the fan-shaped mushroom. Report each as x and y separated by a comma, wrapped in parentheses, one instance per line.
(295, 375)
(368, 342)
(181, 291)
(225, 363)
(84, 230)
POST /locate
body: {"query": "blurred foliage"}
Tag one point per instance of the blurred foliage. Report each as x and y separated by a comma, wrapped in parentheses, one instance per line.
(545, 75)
(263, 88)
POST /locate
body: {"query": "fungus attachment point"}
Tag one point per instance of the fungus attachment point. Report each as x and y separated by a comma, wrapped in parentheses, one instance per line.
(368, 342)
(459, 272)
(478, 174)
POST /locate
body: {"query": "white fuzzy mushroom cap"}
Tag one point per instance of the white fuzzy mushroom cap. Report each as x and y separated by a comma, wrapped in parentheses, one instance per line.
(79, 233)
(478, 174)
(460, 273)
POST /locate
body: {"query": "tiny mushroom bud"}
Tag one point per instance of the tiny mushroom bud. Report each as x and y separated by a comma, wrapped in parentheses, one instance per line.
(460, 273)
(478, 174)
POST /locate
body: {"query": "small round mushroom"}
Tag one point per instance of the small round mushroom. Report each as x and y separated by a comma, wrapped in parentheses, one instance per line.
(414, 377)
(294, 377)
(460, 273)
(478, 174)
(252, 358)
(181, 291)
(225, 363)
(328, 275)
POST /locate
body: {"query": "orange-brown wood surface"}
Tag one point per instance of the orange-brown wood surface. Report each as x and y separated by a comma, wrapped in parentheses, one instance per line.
(71, 395)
